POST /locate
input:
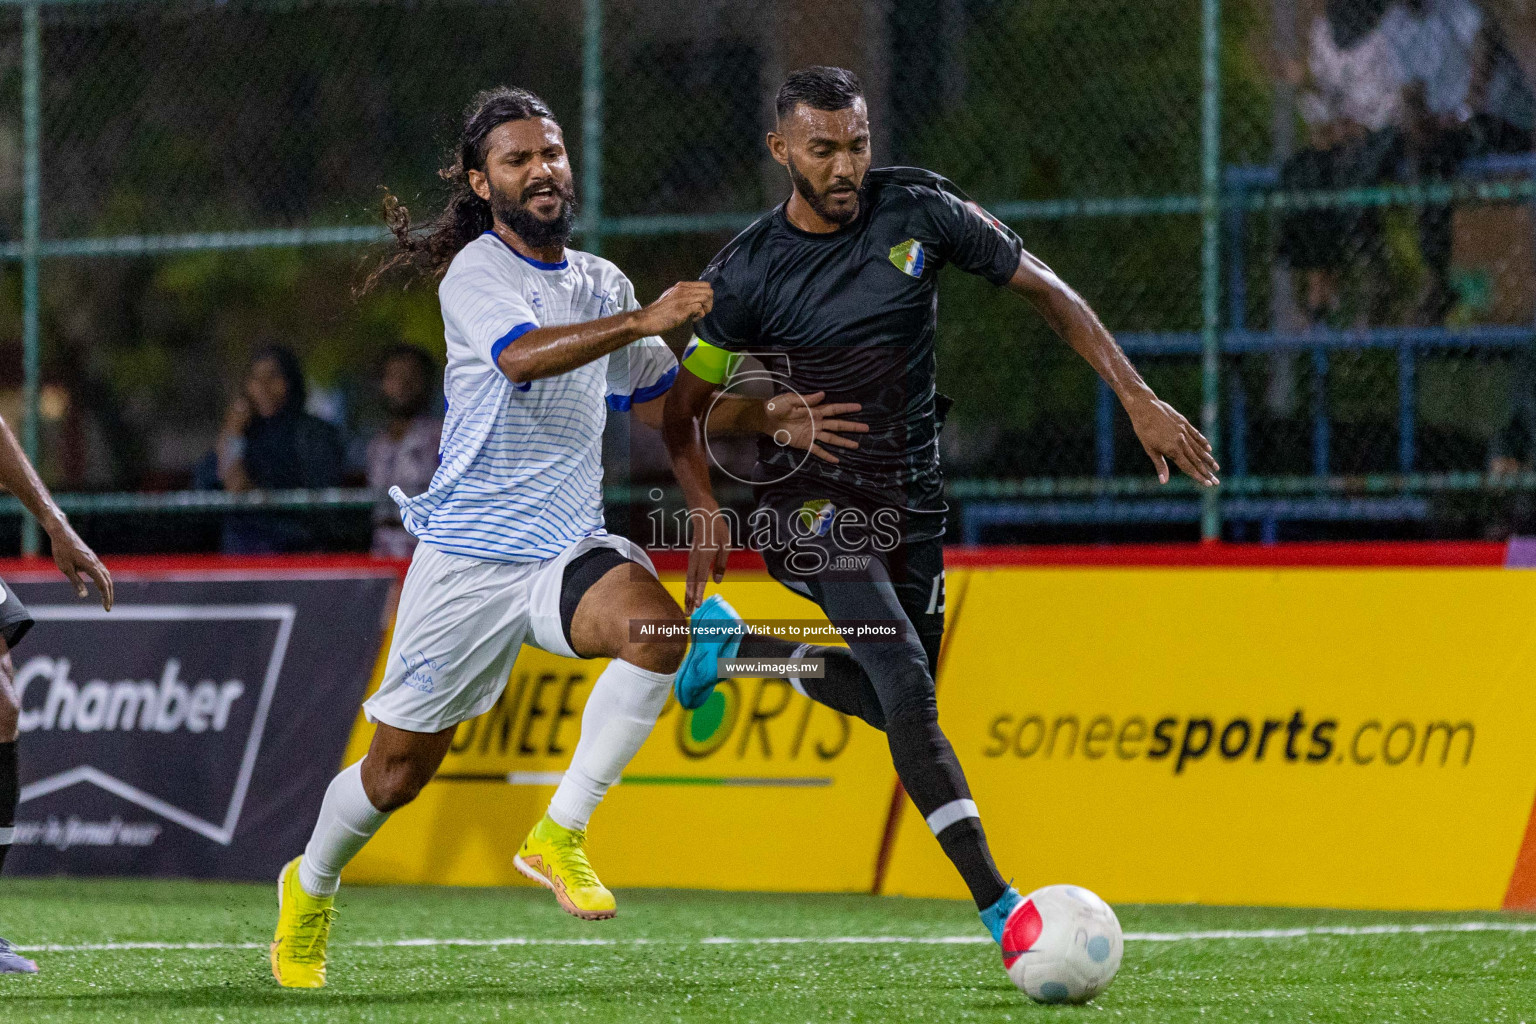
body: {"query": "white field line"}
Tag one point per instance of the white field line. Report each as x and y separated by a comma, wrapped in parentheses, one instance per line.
(845, 940)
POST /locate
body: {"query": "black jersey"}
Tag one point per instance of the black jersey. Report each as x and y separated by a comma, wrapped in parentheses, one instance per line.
(15, 620)
(853, 313)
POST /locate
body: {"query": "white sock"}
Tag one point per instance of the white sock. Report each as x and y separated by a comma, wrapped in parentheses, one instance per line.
(619, 715)
(347, 821)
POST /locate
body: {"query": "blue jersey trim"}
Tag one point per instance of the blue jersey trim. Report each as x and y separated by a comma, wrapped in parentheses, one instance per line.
(539, 264)
(622, 403)
(500, 345)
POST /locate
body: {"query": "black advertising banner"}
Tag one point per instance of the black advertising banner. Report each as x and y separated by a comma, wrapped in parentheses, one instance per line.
(192, 730)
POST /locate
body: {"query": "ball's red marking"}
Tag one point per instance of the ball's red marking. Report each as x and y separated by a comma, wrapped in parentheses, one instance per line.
(1021, 932)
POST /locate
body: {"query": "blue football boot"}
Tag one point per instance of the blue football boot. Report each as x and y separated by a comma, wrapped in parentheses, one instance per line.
(697, 677)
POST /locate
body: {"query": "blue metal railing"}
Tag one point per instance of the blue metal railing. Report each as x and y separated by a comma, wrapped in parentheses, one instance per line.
(1244, 188)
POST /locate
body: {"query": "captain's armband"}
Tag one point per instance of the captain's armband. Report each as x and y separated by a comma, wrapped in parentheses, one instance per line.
(709, 362)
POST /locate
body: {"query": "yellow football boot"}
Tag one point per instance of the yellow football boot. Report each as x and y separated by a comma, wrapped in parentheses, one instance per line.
(303, 928)
(556, 858)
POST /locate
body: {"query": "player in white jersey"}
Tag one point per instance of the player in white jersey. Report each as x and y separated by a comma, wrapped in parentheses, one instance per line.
(542, 341)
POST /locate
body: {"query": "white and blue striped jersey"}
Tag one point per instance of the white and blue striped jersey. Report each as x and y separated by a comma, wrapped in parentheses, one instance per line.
(521, 470)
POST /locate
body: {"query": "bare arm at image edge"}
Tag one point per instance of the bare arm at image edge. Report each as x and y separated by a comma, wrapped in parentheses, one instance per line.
(74, 558)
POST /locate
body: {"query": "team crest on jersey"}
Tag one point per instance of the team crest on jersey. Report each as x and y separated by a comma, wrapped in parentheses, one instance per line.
(908, 257)
(816, 517)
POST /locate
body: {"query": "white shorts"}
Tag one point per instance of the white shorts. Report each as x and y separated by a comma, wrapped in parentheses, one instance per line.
(460, 626)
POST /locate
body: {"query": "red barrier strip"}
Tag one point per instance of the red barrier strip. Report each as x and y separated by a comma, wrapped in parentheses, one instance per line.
(43, 569)
(1521, 894)
(677, 562)
(1361, 554)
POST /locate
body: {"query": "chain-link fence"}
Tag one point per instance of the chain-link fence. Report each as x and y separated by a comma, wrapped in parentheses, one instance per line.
(1308, 221)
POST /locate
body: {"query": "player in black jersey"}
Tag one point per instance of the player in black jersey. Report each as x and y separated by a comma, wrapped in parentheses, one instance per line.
(836, 291)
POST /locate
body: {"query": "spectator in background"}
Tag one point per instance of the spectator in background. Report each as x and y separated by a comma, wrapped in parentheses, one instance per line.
(269, 442)
(1513, 450)
(405, 453)
(1466, 96)
(1352, 102)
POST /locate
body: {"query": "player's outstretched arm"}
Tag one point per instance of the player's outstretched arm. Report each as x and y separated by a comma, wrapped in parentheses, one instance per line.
(683, 431)
(1162, 429)
(74, 558)
(550, 351)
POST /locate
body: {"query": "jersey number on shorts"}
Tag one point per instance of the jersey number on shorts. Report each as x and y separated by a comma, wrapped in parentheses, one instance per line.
(936, 597)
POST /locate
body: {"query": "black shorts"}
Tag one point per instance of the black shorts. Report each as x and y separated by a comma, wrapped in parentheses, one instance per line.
(15, 620)
(808, 542)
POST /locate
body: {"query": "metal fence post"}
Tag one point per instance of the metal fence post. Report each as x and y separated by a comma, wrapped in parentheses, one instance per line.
(1210, 250)
(31, 116)
(592, 124)
(619, 470)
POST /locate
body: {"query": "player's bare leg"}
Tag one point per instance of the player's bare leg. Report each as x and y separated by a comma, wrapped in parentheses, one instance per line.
(622, 708)
(11, 962)
(357, 803)
(400, 763)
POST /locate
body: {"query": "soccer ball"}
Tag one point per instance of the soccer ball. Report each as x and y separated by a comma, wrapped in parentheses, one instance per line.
(1062, 945)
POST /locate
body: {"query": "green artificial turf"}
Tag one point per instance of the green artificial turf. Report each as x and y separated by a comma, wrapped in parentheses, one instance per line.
(658, 969)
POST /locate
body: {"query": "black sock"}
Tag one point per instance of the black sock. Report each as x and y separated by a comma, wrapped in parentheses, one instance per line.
(755, 645)
(931, 774)
(965, 844)
(9, 790)
(844, 687)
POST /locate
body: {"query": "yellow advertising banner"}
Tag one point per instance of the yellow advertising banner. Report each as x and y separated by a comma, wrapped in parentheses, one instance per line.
(759, 789)
(1308, 737)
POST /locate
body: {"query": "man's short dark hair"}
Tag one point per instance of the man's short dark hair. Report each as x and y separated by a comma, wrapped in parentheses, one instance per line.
(820, 88)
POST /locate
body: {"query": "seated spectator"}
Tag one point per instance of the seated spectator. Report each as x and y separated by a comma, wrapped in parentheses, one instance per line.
(269, 442)
(1466, 97)
(405, 453)
(1352, 102)
(1513, 448)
